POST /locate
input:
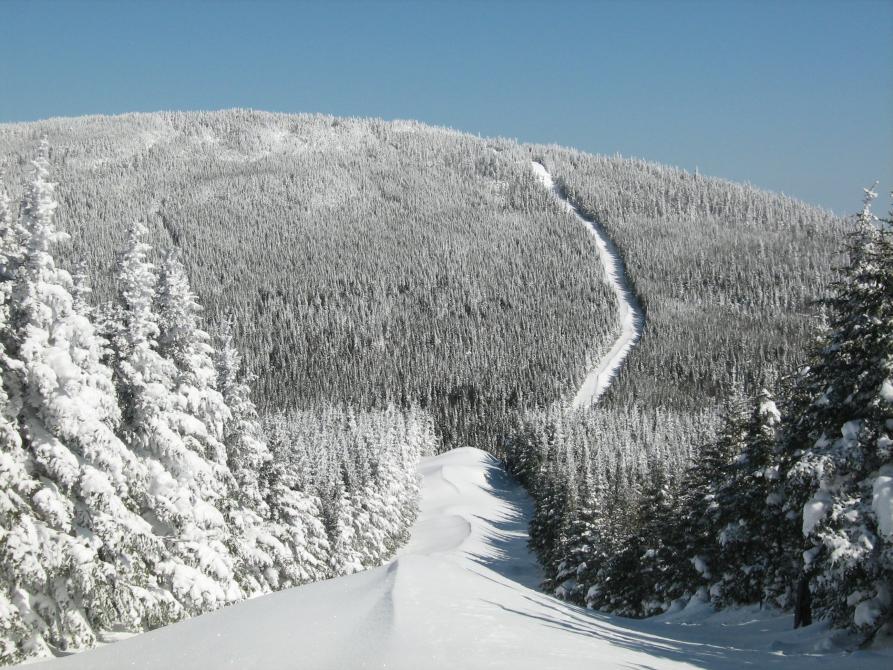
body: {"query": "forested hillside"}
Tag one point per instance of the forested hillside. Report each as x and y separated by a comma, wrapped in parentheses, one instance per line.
(790, 503)
(727, 274)
(423, 265)
(387, 284)
(362, 261)
(728, 277)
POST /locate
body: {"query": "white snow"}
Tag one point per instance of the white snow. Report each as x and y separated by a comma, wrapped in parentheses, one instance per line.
(882, 501)
(850, 431)
(815, 509)
(769, 412)
(462, 594)
(701, 566)
(867, 612)
(632, 317)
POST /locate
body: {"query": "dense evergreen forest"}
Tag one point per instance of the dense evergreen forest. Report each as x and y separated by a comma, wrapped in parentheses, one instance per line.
(369, 262)
(727, 274)
(789, 505)
(362, 262)
(384, 289)
(138, 485)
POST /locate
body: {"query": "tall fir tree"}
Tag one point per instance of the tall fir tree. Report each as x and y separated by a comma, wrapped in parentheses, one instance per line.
(99, 573)
(750, 518)
(25, 536)
(247, 453)
(182, 341)
(296, 516)
(840, 439)
(187, 483)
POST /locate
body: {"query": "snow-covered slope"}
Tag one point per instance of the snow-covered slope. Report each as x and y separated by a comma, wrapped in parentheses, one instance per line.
(461, 594)
(632, 317)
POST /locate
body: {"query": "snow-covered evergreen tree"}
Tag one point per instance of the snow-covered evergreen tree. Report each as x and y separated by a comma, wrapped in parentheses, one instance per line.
(24, 537)
(549, 525)
(841, 439)
(187, 482)
(247, 453)
(94, 568)
(701, 512)
(750, 514)
(295, 516)
(346, 554)
(585, 550)
(11, 240)
(661, 538)
(260, 542)
(181, 340)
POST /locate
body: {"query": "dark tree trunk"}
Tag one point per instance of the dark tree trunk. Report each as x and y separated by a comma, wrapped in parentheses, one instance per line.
(803, 606)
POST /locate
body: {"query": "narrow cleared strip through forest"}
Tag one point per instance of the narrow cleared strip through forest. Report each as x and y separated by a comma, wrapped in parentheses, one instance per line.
(632, 316)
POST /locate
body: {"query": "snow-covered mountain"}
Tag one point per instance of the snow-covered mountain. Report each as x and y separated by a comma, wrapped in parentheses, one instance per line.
(364, 266)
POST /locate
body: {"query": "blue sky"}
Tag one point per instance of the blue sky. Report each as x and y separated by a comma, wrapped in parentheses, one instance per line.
(792, 96)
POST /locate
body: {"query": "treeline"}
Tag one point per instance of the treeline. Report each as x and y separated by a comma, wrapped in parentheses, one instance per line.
(361, 466)
(791, 505)
(137, 484)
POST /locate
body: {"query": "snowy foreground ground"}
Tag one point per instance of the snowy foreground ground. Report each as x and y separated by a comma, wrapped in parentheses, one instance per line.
(462, 594)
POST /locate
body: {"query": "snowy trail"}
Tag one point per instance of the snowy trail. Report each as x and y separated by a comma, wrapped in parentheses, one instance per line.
(632, 317)
(461, 594)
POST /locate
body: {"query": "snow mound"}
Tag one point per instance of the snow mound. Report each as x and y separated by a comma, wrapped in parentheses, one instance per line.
(462, 594)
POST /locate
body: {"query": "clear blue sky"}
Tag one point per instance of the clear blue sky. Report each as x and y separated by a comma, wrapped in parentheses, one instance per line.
(794, 96)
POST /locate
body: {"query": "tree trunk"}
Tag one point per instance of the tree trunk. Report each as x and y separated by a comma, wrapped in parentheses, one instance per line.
(803, 605)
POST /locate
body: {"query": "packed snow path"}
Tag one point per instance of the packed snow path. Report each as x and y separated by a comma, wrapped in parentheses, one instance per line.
(632, 318)
(461, 594)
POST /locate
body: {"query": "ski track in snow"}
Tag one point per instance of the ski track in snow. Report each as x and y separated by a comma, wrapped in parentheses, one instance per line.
(632, 317)
(462, 594)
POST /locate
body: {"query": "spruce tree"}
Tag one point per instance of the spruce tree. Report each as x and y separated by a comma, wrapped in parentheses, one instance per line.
(12, 239)
(635, 591)
(187, 483)
(346, 555)
(840, 438)
(704, 512)
(182, 341)
(585, 550)
(664, 541)
(295, 516)
(751, 514)
(247, 453)
(25, 536)
(101, 572)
